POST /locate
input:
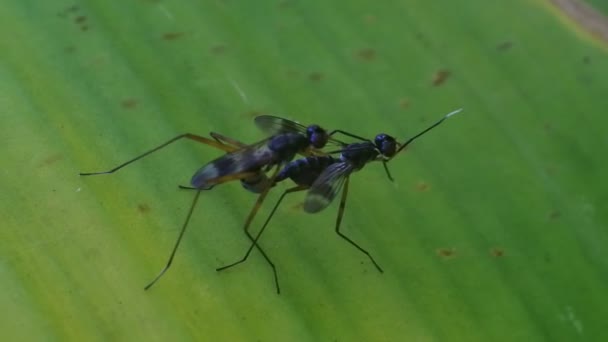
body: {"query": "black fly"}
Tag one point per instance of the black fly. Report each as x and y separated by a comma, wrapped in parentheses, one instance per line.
(247, 163)
(325, 176)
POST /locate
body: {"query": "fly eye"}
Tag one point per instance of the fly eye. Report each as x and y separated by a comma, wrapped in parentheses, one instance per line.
(313, 129)
(379, 140)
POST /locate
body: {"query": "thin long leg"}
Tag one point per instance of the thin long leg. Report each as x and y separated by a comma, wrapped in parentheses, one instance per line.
(257, 237)
(388, 173)
(187, 187)
(179, 239)
(252, 213)
(339, 220)
(350, 148)
(226, 140)
(251, 238)
(354, 136)
(197, 138)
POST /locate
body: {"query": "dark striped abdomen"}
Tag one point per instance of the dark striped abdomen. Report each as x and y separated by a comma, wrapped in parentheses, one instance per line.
(305, 171)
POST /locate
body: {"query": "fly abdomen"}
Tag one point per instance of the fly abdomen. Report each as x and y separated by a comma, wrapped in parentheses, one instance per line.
(305, 171)
(256, 183)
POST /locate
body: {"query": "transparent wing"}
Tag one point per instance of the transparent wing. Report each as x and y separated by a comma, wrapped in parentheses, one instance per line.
(250, 158)
(273, 125)
(327, 186)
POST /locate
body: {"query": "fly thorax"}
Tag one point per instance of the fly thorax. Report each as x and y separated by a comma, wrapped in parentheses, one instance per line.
(286, 145)
(359, 154)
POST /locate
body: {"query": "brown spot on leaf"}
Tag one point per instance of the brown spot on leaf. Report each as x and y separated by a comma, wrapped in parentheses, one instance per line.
(367, 54)
(504, 46)
(79, 20)
(550, 170)
(440, 77)
(370, 19)
(315, 76)
(129, 103)
(72, 9)
(98, 61)
(143, 208)
(586, 60)
(423, 40)
(169, 36)
(404, 103)
(446, 252)
(554, 214)
(497, 252)
(422, 186)
(218, 49)
(50, 160)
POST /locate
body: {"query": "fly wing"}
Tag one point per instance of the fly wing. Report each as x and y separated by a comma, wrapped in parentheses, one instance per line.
(250, 158)
(273, 125)
(326, 187)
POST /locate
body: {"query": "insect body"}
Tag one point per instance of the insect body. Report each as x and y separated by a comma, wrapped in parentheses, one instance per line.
(247, 163)
(352, 158)
(325, 176)
(318, 171)
(288, 138)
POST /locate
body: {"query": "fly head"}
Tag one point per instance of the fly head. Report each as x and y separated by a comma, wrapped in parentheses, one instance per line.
(386, 144)
(317, 136)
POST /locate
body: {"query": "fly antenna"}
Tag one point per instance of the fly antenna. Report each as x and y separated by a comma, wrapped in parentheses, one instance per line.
(409, 141)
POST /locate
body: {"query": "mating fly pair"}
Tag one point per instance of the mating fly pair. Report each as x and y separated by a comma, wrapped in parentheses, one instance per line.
(323, 174)
(247, 163)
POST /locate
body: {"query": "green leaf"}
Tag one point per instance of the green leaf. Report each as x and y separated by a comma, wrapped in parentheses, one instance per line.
(495, 228)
